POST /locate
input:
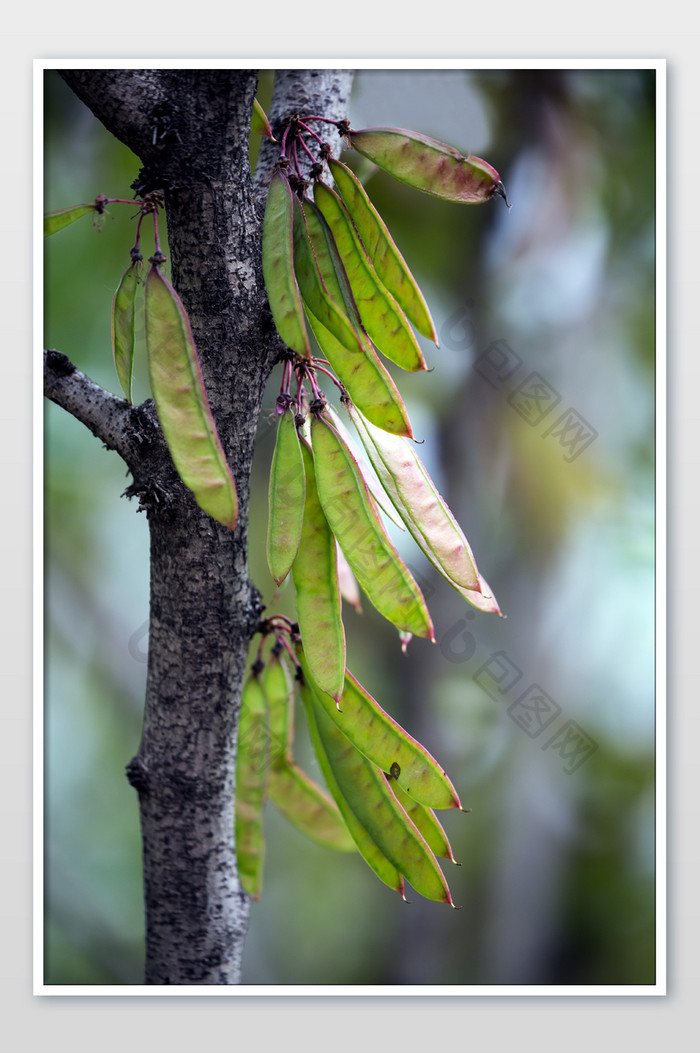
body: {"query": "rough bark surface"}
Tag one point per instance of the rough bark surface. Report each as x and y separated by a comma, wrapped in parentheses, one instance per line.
(190, 130)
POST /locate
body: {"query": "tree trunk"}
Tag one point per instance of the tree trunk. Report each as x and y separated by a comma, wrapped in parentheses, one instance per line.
(190, 130)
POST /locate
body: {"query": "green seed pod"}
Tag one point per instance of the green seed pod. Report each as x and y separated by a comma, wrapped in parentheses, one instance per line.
(291, 790)
(315, 577)
(181, 401)
(259, 124)
(428, 165)
(388, 262)
(278, 265)
(352, 516)
(342, 340)
(367, 474)
(251, 786)
(279, 693)
(427, 822)
(384, 742)
(367, 847)
(55, 221)
(285, 499)
(123, 314)
(370, 798)
(309, 808)
(382, 317)
(483, 600)
(425, 513)
(314, 288)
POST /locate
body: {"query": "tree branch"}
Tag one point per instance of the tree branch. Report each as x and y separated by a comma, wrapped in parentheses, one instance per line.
(190, 129)
(117, 423)
(303, 91)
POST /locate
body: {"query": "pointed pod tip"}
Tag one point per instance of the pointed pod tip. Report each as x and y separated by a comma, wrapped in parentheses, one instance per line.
(500, 191)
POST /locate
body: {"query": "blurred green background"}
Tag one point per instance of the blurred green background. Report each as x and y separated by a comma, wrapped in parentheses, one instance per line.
(538, 422)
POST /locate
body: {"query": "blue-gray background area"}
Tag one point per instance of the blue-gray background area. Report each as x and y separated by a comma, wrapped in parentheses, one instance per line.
(538, 424)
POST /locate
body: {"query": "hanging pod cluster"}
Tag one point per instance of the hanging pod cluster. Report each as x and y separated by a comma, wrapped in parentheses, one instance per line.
(384, 786)
(174, 370)
(347, 306)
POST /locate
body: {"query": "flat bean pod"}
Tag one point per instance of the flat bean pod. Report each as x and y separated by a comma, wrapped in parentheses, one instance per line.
(426, 821)
(309, 808)
(382, 317)
(278, 265)
(315, 577)
(332, 315)
(251, 786)
(123, 315)
(348, 507)
(371, 799)
(428, 165)
(366, 845)
(285, 498)
(483, 600)
(405, 479)
(291, 790)
(279, 693)
(372, 485)
(55, 221)
(181, 401)
(388, 262)
(314, 290)
(259, 124)
(366, 380)
(384, 742)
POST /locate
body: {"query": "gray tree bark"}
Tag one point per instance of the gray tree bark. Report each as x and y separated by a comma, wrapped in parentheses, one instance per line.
(190, 130)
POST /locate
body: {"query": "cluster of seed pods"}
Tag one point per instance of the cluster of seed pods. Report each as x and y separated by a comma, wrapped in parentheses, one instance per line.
(173, 363)
(384, 786)
(343, 299)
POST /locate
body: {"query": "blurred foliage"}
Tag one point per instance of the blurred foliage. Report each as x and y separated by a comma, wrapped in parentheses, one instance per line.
(556, 883)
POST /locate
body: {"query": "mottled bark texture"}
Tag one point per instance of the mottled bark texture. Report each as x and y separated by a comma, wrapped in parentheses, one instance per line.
(190, 130)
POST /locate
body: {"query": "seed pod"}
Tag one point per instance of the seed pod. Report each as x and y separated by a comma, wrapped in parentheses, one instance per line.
(367, 474)
(315, 577)
(123, 314)
(279, 693)
(384, 742)
(425, 513)
(382, 318)
(367, 847)
(370, 798)
(251, 786)
(428, 165)
(278, 265)
(181, 401)
(388, 262)
(364, 376)
(259, 124)
(309, 808)
(341, 339)
(291, 790)
(352, 517)
(483, 600)
(55, 221)
(426, 821)
(285, 499)
(314, 289)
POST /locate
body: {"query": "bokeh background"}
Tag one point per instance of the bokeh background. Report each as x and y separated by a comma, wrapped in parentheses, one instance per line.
(539, 426)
